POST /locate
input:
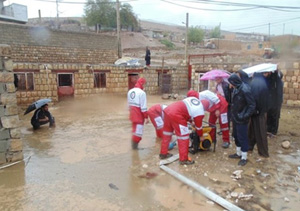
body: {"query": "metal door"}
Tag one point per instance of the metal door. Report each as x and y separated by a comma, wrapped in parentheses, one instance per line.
(165, 84)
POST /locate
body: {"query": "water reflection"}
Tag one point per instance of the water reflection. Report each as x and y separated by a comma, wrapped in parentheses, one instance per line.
(73, 164)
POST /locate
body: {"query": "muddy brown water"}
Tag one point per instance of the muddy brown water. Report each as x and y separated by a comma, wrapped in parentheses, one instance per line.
(86, 163)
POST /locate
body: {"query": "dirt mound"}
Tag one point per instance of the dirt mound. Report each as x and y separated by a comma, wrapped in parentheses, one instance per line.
(135, 40)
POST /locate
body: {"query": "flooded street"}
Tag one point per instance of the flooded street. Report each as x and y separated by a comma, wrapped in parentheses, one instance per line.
(86, 163)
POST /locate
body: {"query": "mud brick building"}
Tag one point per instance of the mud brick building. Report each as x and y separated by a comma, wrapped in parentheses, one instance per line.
(53, 64)
(10, 143)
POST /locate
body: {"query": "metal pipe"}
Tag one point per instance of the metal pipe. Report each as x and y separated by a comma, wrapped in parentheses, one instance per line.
(209, 194)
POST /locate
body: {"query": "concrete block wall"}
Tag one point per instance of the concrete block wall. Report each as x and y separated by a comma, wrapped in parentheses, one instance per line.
(291, 78)
(45, 83)
(291, 85)
(197, 69)
(11, 145)
(179, 78)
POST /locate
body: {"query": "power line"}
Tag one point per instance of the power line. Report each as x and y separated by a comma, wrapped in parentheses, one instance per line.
(246, 6)
(75, 2)
(214, 2)
(217, 10)
(258, 26)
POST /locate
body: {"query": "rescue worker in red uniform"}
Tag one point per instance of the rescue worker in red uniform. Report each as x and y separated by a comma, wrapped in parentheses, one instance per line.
(137, 103)
(156, 116)
(177, 115)
(217, 108)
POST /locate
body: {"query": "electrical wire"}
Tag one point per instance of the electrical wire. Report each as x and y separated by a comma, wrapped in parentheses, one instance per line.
(75, 2)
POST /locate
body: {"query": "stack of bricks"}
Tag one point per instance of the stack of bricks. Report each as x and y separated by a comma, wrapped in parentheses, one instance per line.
(10, 143)
(291, 83)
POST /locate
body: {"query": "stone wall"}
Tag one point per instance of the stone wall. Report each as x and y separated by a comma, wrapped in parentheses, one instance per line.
(11, 145)
(46, 81)
(44, 45)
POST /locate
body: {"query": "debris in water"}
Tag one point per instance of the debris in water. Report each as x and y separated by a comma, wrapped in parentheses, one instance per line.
(237, 174)
(148, 175)
(245, 196)
(210, 202)
(234, 194)
(286, 144)
(112, 186)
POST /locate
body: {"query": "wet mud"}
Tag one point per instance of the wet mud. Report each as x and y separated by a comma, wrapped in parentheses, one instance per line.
(86, 163)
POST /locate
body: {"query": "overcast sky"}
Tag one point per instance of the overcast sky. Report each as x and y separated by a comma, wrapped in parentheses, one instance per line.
(247, 19)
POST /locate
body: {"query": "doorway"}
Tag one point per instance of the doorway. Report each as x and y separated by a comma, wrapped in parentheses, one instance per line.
(132, 79)
(65, 84)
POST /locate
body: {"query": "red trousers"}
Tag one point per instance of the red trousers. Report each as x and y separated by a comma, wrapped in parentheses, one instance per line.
(223, 121)
(181, 130)
(137, 132)
(157, 122)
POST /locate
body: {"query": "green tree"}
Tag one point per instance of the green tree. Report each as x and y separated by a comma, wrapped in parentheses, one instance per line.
(195, 34)
(215, 33)
(127, 16)
(104, 12)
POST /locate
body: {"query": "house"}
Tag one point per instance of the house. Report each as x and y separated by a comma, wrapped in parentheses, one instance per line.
(13, 13)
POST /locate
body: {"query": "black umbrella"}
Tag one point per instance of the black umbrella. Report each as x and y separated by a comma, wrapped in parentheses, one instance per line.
(37, 105)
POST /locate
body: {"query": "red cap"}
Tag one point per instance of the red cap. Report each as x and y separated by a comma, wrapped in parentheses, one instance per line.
(140, 83)
(193, 93)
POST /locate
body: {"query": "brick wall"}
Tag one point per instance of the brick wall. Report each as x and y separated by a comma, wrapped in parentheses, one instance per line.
(11, 145)
(43, 45)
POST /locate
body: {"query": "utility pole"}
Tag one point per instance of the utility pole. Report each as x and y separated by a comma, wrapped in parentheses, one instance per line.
(40, 17)
(118, 29)
(219, 36)
(57, 16)
(186, 37)
(269, 32)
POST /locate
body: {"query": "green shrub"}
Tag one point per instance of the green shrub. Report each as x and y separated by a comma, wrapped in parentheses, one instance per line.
(168, 44)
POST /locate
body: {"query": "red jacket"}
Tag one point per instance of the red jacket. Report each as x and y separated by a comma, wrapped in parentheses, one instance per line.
(188, 109)
(137, 101)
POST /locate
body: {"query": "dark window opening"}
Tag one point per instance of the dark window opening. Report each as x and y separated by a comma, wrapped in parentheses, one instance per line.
(99, 80)
(25, 81)
(65, 79)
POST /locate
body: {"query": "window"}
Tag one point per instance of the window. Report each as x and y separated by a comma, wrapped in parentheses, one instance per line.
(65, 79)
(25, 81)
(99, 80)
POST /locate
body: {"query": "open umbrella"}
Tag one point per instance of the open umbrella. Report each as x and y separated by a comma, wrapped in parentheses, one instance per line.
(260, 68)
(37, 105)
(213, 74)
